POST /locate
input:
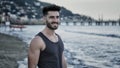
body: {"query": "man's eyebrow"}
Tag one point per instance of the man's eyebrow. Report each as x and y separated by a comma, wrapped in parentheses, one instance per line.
(51, 16)
(54, 16)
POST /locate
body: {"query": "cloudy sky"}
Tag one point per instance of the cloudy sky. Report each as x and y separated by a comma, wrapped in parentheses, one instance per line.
(108, 9)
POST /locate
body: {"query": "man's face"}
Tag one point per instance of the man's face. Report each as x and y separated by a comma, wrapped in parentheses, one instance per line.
(52, 20)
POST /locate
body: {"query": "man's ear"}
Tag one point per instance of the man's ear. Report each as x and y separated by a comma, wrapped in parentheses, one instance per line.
(44, 19)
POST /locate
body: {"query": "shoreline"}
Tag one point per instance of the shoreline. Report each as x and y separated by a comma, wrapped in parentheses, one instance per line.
(12, 50)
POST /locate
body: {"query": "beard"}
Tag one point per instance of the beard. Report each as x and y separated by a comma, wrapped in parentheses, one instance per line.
(49, 25)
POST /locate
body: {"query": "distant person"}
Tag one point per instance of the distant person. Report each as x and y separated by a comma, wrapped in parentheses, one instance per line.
(46, 49)
(3, 19)
(7, 22)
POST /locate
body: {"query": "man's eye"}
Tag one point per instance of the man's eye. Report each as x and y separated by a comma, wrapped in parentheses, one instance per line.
(57, 17)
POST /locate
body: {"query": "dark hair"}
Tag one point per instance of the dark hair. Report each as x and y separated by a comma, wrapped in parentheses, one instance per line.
(50, 8)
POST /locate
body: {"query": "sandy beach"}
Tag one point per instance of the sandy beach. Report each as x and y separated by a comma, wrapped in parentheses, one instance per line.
(12, 49)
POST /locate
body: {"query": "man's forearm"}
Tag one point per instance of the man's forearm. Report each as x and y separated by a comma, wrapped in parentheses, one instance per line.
(64, 64)
(31, 65)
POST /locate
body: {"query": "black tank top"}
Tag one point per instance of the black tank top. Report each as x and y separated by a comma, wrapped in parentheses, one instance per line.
(51, 57)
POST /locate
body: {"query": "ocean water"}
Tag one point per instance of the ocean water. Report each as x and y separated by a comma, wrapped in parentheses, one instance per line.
(85, 46)
(92, 46)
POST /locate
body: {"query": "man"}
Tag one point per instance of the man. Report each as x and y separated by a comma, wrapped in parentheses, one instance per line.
(46, 49)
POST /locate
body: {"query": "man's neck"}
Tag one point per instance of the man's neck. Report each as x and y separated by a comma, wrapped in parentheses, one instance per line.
(48, 32)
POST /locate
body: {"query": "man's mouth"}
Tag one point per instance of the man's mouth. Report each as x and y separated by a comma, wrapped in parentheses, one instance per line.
(54, 23)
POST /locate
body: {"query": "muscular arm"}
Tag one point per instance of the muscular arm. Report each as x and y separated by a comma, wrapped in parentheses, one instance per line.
(34, 52)
(64, 63)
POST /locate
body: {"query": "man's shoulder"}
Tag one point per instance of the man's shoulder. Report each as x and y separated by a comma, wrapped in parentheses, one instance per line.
(58, 35)
(36, 41)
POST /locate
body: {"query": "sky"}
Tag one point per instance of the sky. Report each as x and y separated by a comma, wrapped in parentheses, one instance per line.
(106, 9)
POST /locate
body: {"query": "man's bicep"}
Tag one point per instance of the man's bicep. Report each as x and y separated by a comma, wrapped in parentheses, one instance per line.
(34, 47)
(33, 53)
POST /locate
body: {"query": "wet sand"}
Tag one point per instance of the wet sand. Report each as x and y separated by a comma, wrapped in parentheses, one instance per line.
(12, 49)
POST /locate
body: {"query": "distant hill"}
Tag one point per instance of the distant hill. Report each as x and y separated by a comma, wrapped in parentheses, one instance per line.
(32, 8)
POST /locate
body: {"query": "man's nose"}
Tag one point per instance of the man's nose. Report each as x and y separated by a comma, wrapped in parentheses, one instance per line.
(56, 19)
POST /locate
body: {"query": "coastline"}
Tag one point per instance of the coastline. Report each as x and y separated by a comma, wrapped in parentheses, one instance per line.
(12, 49)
